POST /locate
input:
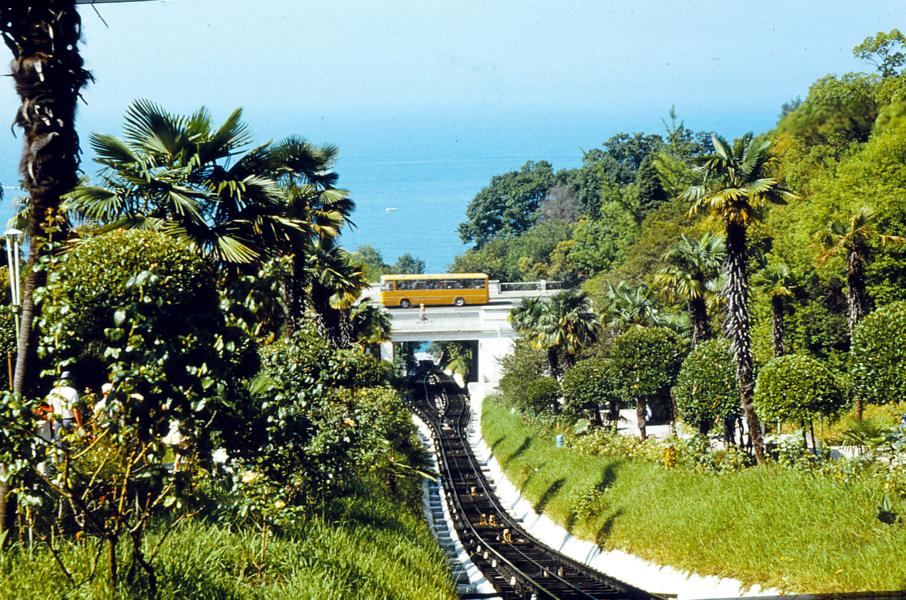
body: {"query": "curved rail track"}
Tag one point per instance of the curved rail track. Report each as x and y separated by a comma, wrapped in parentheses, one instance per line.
(517, 565)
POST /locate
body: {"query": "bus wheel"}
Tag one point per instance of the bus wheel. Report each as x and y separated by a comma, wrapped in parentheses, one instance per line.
(459, 302)
(405, 303)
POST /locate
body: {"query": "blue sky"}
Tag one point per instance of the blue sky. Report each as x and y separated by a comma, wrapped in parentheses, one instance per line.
(500, 81)
(625, 60)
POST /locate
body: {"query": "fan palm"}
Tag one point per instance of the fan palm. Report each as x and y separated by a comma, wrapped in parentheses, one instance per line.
(188, 178)
(560, 325)
(853, 237)
(625, 305)
(735, 186)
(335, 284)
(690, 265)
(305, 176)
(777, 282)
(370, 325)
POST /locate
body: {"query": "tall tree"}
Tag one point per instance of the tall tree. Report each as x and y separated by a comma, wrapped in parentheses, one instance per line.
(736, 183)
(509, 204)
(887, 51)
(853, 236)
(777, 283)
(48, 72)
(690, 265)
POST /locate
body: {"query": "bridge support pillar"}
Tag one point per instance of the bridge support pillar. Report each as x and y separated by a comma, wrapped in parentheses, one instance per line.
(490, 353)
(387, 351)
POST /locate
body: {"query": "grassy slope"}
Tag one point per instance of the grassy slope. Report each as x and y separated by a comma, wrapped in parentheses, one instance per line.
(373, 549)
(768, 525)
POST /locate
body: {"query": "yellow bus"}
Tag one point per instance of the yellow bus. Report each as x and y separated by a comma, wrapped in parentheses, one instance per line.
(457, 289)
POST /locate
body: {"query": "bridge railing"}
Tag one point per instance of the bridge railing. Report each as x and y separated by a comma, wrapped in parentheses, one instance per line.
(530, 286)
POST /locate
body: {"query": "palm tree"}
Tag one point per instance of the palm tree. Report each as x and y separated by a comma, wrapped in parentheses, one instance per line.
(625, 305)
(456, 357)
(853, 237)
(777, 282)
(527, 319)
(736, 184)
(561, 325)
(370, 326)
(186, 177)
(690, 265)
(48, 72)
(335, 285)
(323, 210)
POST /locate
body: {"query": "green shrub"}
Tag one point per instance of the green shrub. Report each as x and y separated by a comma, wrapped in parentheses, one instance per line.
(706, 389)
(541, 395)
(878, 355)
(646, 361)
(797, 388)
(518, 370)
(588, 386)
(91, 282)
(320, 417)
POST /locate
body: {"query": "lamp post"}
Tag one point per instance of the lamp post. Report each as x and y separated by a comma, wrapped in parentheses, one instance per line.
(13, 237)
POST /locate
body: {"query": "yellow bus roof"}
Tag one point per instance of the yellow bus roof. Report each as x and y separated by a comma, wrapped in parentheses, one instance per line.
(437, 276)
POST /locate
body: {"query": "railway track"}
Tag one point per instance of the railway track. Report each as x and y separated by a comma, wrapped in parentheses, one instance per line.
(517, 565)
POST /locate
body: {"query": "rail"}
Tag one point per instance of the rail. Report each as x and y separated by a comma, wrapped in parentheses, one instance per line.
(518, 566)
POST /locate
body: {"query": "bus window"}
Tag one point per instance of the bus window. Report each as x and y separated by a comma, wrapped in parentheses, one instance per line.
(476, 284)
(419, 284)
(388, 286)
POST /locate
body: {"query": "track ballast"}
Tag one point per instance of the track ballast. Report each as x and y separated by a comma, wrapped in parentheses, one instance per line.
(516, 564)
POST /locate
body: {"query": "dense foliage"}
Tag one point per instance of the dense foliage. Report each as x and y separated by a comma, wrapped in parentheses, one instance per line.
(797, 389)
(645, 363)
(706, 390)
(879, 355)
(588, 387)
(317, 418)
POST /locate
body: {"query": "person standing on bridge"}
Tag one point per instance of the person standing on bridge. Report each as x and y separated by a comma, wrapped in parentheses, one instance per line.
(421, 312)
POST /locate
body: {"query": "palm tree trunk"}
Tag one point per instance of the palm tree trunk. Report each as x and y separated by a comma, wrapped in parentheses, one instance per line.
(777, 324)
(737, 293)
(856, 296)
(553, 362)
(857, 302)
(48, 72)
(698, 314)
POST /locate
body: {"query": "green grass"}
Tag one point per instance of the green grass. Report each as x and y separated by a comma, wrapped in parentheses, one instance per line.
(370, 547)
(769, 525)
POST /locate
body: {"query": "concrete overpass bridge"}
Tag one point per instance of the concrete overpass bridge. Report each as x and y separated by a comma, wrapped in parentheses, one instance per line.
(486, 324)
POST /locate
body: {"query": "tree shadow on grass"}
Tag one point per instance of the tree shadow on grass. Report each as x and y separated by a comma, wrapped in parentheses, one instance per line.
(497, 443)
(526, 443)
(606, 527)
(548, 495)
(608, 477)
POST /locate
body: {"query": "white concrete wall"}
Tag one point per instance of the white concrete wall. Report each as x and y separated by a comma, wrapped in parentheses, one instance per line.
(490, 353)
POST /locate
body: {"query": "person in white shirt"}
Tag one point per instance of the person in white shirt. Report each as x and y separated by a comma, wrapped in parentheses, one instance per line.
(64, 400)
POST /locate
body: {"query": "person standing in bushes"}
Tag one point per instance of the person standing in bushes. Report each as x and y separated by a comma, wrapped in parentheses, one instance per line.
(64, 400)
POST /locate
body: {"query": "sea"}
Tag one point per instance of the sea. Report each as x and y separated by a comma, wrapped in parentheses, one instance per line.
(412, 174)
